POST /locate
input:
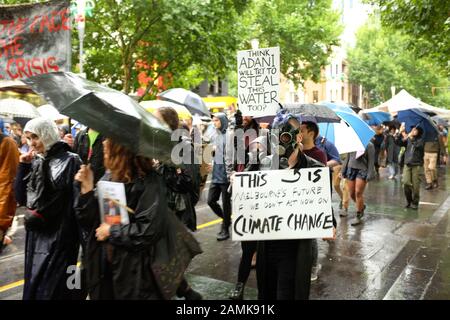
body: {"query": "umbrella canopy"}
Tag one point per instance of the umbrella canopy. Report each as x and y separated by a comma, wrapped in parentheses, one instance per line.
(108, 111)
(152, 105)
(193, 102)
(309, 112)
(440, 121)
(416, 118)
(48, 111)
(349, 135)
(376, 118)
(342, 106)
(18, 108)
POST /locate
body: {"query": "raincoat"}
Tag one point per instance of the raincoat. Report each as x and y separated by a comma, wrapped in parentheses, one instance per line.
(130, 265)
(52, 239)
(300, 250)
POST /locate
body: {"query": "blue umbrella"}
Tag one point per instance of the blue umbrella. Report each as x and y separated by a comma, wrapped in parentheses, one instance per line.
(376, 118)
(351, 134)
(416, 118)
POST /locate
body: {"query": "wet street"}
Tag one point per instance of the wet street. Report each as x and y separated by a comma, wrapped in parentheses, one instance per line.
(396, 253)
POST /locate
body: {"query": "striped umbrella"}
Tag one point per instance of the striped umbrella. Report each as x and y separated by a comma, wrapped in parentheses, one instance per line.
(349, 135)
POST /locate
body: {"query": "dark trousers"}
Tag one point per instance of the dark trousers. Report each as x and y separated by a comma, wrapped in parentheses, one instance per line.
(281, 279)
(215, 190)
(245, 266)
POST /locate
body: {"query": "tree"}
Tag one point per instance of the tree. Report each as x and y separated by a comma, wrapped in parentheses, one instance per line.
(306, 32)
(426, 22)
(381, 59)
(164, 39)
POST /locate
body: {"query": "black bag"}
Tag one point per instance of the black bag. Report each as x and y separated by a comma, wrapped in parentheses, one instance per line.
(171, 257)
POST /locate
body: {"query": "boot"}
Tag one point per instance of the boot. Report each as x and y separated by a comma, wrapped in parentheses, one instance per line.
(191, 294)
(408, 195)
(435, 184)
(224, 234)
(429, 186)
(238, 292)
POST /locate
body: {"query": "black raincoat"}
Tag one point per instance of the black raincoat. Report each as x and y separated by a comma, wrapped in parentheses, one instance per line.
(52, 238)
(269, 252)
(122, 267)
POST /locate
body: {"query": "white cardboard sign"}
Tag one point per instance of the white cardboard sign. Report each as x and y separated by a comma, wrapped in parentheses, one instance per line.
(282, 204)
(259, 81)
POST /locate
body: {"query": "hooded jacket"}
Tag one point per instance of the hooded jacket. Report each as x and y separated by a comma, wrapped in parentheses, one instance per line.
(414, 150)
(219, 174)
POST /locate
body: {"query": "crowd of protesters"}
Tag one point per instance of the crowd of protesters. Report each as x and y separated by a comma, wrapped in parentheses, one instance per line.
(54, 174)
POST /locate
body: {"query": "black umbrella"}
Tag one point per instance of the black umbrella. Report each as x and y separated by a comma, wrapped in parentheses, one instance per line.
(309, 112)
(192, 101)
(112, 113)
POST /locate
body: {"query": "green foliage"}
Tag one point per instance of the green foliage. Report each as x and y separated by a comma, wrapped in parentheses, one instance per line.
(427, 23)
(381, 59)
(306, 31)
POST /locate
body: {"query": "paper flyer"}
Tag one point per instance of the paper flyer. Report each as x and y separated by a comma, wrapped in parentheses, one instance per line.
(112, 202)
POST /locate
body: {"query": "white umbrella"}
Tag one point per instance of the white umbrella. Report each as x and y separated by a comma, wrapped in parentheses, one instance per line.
(192, 101)
(18, 108)
(48, 111)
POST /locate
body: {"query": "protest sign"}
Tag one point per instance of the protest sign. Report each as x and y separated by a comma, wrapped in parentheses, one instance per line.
(34, 39)
(282, 204)
(259, 81)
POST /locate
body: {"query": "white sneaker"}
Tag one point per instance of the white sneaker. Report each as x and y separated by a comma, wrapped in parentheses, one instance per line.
(315, 272)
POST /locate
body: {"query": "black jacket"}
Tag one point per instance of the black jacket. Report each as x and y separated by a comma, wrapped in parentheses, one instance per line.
(134, 248)
(392, 149)
(414, 150)
(81, 147)
(52, 238)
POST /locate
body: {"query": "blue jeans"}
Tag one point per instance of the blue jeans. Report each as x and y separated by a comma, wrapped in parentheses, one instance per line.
(393, 169)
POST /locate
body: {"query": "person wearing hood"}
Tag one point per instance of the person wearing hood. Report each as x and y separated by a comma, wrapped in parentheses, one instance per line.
(52, 234)
(9, 160)
(220, 183)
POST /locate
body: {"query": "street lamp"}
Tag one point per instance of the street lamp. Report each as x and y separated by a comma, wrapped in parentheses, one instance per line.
(83, 8)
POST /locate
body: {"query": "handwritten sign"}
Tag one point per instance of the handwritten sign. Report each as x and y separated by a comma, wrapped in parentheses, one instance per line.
(282, 204)
(34, 39)
(259, 81)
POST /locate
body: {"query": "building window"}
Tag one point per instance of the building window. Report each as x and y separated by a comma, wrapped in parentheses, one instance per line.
(331, 95)
(315, 96)
(342, 93)
(337, 70)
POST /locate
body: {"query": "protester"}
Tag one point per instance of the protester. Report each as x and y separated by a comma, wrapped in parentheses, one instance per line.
(88, 145)
(66, 135)
(183, 192)
(358, 170)
(284, 266)
(120, 258)
(52, 239)
(16, 133)
(377, 141)
(443, 141)
(310, 131)
(9, 160)
(244, 157)
(219, 182)
(392, 153)
(414, 154)
(430, 162)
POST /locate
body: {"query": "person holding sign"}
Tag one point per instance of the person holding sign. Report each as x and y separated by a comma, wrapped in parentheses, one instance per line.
(284, 266)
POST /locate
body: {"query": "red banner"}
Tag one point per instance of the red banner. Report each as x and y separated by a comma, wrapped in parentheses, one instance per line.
(34, 39)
